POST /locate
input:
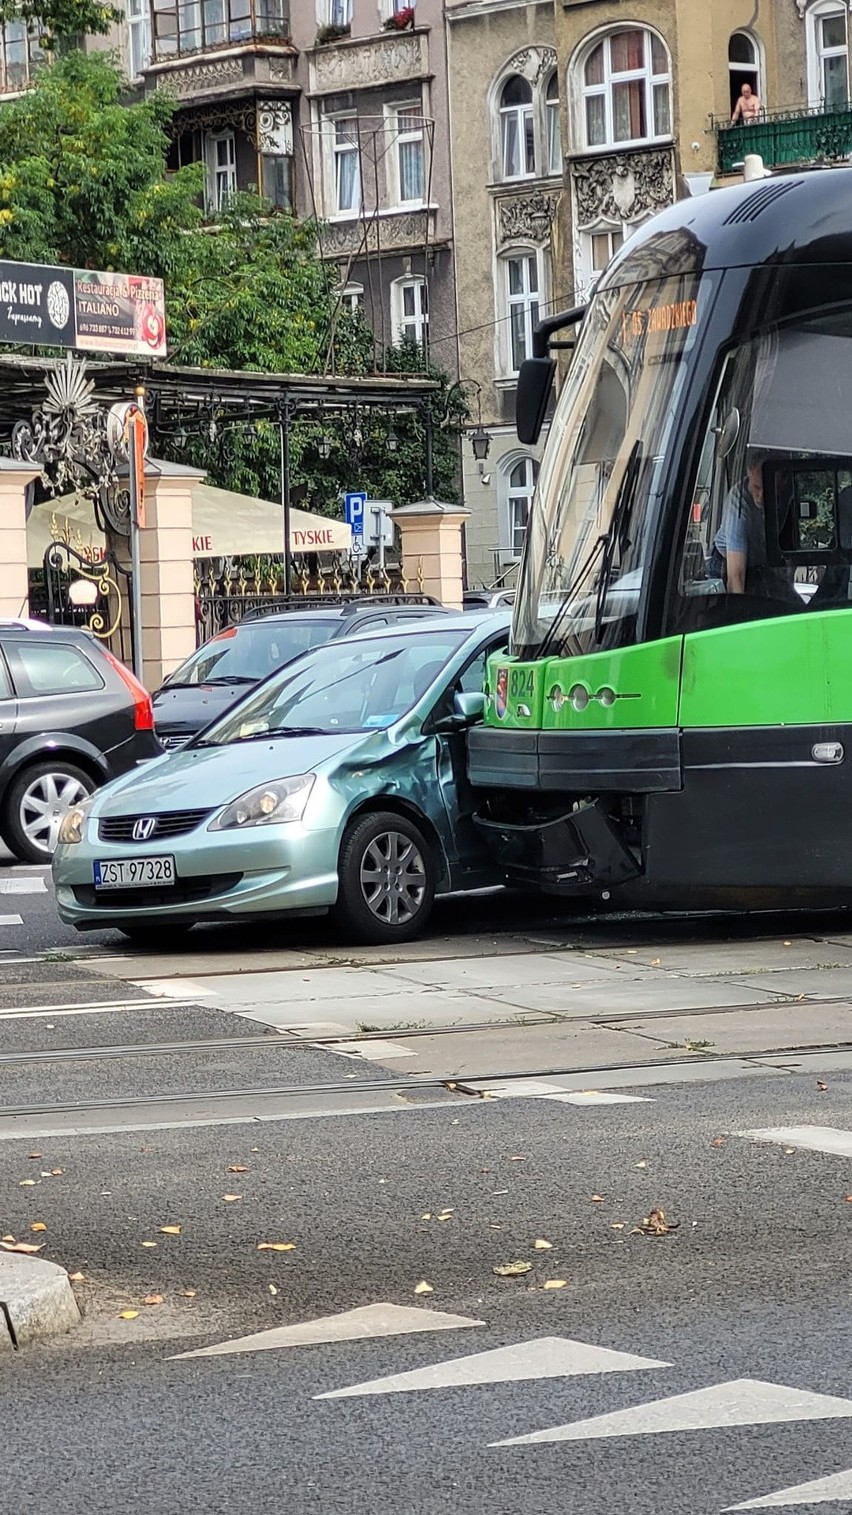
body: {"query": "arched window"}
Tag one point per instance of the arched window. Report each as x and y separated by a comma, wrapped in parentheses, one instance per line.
(517, 132)
(828, 55)
(553, 143)
(518, 480)
(743, 66)
(625, 84)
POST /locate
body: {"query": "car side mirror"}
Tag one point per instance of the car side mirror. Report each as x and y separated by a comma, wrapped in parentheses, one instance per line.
(467, 710)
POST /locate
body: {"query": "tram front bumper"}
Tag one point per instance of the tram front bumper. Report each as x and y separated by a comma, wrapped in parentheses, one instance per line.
(575, 853)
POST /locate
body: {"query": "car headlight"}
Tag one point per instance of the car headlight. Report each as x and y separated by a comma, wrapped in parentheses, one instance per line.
(71, 825)
(268, 804)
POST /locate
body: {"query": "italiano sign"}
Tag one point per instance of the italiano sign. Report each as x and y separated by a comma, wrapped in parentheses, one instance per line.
(80, 308)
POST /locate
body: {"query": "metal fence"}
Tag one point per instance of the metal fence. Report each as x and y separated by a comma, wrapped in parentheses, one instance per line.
(231, 592)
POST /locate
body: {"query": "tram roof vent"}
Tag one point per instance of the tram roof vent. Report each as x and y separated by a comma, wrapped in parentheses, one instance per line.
(753, 205)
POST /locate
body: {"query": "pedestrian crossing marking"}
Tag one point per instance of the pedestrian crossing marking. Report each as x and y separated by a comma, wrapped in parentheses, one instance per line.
(548, 1357)
(819, 1491)
(742, 1402)
(352, 1325)
(11, 920)
(23, 885)
(810, 1138)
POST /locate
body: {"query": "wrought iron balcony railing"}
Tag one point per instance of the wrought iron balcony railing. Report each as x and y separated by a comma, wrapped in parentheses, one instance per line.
(185, 28)
(786, 137)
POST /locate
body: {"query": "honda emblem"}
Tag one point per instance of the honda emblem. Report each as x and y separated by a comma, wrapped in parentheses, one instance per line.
(143, 830)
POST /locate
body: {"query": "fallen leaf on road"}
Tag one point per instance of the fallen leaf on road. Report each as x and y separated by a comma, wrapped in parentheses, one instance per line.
(643, 1164)
(555, 1283)
(541, 1245)
(255, 1149)
(445, 1214)
(27, 1247)
(788, 1151)
(512, 1269)
(451, 1086)
(427, 1215)
(77, 1278)
(495, 1225)
(33, 1154)
(821, 1086)
(618, 1225)
(26, 1183)
(189, 1293)
(517, 1159)
(127, 1314)
(237, 1168)
(848, 1198)
(276, 1246)
(718, 1141)
(597, 1199)
(149, 1244)
(655, 1224)
(272, 1289)
(55, 1172)
(423, 1287)
(7, 1238)
(171, 1230)
(153, 1299)
(230, 1198)
(655, 962)
(788, 944)
(38, 1225)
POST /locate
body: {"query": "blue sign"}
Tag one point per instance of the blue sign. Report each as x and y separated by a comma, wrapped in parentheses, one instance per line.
(353, 512)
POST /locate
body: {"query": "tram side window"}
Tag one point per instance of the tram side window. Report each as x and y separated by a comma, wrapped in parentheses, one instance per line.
(768, 527)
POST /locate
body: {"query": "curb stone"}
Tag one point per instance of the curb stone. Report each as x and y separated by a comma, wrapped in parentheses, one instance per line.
(36, 1299)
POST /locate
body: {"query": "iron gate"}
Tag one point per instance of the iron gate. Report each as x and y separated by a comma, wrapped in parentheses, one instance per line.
(94, 596)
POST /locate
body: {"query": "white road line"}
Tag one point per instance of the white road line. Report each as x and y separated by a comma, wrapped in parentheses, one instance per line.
(818, 1491)
(352, 1325)
(531, 1088)
(173, 988)
(26, 885)
(11, 920)
(101, 1007)
(549, 1357)
(809, 1138)
(742, 1402)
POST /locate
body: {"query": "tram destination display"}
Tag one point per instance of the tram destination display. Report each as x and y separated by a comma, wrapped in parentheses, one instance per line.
(82, 308)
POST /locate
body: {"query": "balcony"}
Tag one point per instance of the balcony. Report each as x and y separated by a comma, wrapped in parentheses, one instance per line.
(786, 137)
(187, 28)
(387, 58)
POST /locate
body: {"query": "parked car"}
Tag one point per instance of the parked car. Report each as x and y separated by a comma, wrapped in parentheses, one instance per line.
(488, 599)
(218, 673)
(71, 717)
(339, 784)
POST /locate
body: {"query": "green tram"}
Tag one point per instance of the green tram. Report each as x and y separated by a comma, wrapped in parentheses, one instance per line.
(672, 727)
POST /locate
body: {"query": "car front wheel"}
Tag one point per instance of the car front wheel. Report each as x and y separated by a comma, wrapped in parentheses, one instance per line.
(38, 799)
(387, 876)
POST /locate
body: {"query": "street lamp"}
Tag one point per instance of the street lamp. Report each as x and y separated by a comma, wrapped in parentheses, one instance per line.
(480, 441)
(324, 446)
(391, 440)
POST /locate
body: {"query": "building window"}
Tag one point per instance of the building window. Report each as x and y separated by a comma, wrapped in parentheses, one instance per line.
(517, 132)
(20, 54)
(521, 276)
(138, 36)
(551, 121)
(351, 298)
(410, 311)
(409, 155)
(597, 249)
(520, 479)
(276, 177)
(345, 165)
(828, 56)
(743, 66)
(625, 84)
(339, 13)
(221, 169)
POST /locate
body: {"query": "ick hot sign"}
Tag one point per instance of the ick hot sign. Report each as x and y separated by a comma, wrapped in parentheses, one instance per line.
(81, 308)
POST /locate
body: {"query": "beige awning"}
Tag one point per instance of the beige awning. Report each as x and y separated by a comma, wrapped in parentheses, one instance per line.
(224, 525)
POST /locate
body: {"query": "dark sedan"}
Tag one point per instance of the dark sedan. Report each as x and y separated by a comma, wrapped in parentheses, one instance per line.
(225, 668)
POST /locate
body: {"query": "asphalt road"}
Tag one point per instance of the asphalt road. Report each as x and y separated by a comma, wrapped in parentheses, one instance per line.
(753, 1284)
(289, 1213)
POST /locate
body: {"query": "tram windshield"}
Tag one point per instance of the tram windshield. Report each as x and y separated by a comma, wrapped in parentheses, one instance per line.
(588, 540)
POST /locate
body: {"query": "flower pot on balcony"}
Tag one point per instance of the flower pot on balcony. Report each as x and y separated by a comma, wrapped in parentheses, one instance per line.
(400, 21)
(331, 34)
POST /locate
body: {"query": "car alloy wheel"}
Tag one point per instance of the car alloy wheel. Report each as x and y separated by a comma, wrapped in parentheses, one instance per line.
(393, 878)
(43, 805)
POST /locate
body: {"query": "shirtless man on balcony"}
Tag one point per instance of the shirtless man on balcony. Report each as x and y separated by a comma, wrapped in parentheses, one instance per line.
(748, 107)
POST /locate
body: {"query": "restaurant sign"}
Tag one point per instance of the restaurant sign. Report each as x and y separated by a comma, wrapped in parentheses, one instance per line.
(71, 307)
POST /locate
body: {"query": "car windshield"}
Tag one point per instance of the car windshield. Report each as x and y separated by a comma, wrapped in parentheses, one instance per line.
(251, 651)
(362, 685)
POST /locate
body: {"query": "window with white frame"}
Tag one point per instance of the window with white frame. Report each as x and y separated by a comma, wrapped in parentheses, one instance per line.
(828, 55)
(522, 295)
(344, 165)
(410, 310)
(743, 66)
(221, 169)
(19, 53)
(517, 129)
(338, 13)
(519, 476)
(597, 249)
(351, 297)
(138, 37)
(553, 141)
(409, 166)
(625, 87)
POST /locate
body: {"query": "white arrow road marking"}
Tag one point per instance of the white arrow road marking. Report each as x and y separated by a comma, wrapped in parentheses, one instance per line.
(818, 1491)
(549, 1357)
(811, 1138)
(742, 1402)
(351, 1325)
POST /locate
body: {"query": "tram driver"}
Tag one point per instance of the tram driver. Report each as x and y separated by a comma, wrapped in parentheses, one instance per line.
(739, 548)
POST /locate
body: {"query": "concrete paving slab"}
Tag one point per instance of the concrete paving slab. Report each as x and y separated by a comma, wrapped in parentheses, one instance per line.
(36, 1297)
(816, 983)
(596, 1001)
(403, 1011)
(513, 969)
(719, 958)
(527, 1049)
(767, 1027)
